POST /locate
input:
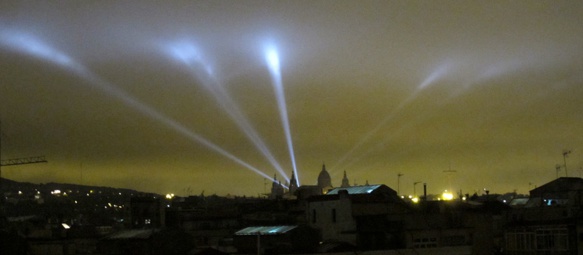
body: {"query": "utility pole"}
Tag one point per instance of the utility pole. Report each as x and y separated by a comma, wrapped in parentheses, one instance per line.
(399, 183)
(449, 173)
(415, 183)
(565, 153)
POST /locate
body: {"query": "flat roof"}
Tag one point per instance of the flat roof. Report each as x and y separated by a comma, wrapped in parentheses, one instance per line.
(264, 230)
(367, 189)
(133, 234)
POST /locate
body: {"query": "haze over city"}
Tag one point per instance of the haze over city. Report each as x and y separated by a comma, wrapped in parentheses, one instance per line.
(218, 96)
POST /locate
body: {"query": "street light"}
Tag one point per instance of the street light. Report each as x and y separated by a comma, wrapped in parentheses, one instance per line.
(399, 183)
(415, 183)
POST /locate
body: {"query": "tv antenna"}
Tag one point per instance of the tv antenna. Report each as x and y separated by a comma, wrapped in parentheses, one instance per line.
(449, 173)
(558, 168)
(565, 153)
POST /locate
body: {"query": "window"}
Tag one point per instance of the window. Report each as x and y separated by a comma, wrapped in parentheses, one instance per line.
(314, 216)
(426, 242)
(552, 239)
(455, 240)
(542, 239)
(334, 215)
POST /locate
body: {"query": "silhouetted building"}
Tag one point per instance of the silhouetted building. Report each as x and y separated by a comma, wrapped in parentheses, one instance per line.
(12, 243)
(368, 217)
(276, 239)
(478, 226)
(345, 183)
(306, 191)
(146, 242)
(551, 222)
(146, 212)
(293, 185)
(324, 180)
(277, 189)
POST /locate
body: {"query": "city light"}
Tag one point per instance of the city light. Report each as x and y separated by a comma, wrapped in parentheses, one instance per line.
(447, 195)
(130, 103)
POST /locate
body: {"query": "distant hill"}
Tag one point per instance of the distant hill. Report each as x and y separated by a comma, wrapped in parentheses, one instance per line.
(7, 185)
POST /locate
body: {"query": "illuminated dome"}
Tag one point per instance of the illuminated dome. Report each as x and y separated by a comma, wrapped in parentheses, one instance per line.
(324, 180)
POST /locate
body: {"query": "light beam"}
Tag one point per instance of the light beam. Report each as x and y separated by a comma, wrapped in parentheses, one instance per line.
(189, 55)
(272, 58)
(30, 45)
(438, 73)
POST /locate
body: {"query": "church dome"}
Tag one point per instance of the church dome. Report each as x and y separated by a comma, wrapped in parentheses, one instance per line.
(324, 180)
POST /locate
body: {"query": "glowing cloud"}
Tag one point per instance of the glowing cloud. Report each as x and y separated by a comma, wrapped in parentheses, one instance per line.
(273, 61)
(32, 46)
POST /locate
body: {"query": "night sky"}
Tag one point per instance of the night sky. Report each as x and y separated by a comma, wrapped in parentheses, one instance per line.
(218, 96)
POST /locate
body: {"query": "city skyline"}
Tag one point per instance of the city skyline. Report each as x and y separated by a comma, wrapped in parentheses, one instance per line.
(220, 96)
